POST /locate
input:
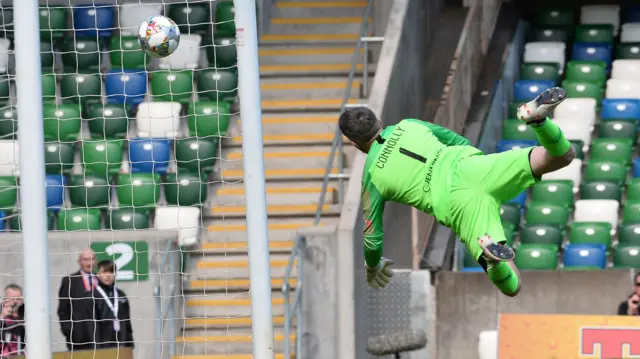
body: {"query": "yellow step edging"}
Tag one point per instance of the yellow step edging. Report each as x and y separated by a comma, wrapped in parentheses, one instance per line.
(275, 190)
(225, 283)
(227, 338)
(311, 51)
(288, 172)
(316, 20)
(228, 321)
(294, 138)
(274, 263)
(309, 67)
(223, 356)
(337, 102)
(230, 246)
(308, 37)
(283, 154)
(309, 85)
(227, 302)
(270, 226)
(319, 4)
(286, 208)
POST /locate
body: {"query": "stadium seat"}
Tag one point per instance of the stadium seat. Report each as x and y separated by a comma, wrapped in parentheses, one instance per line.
(5, 92)
(61, 122)
(9, 192)
(54, 186)
(126, 87)
(629, 234)
(594, 33)
(615, 129)
(225, 13)
(575, 128)
(636, 168)
(630, 14)
(553, 52)
(185, 219)
(605, 171)
(623, 89)
(633, 189)
(540, 234)
(49, 88)
(9, 158)
(630, 32)
(558, 192)
(547, 213)
(126, 218)
(84, 89)
(549, 34)
(14, 220)
(601, 14)
(6, 22)
(125, 54)
(626, 256)
(592, 52)
(510, 213)
(53, 22)
(196, 155)
(620, 109)
(631, 213)
(572, 172)
(513, 108)
(5, 44)
(47, 58)
(537, 257)
(583, 109)
(81, 54)
(186, 56)
(108, 121)
(578, 146)
(582, 89)
(626, 70)
(79, 219)
(223, 52)
(506, 145)
(130, 16)
(8, 123)
(517, 130)
(585, 255)
(192, 18)
(468, 262)
(591, 233)
(612, 149)
(601, 190)
(597, 210)
(102, 157)
(92, 20)
(149, 155)
(217, 85)
(172, 86)
(58, 157)
(158, 119)
(509, 232)
(92, 191)
(630, 51)
(3, 220)
(138, 189)
(555, 17)
(520, 199)
(208, 118)
(185, 189)
(589, 71)
(526, 90)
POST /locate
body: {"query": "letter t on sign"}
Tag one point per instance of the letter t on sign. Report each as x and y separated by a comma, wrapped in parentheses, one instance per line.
(611, 342)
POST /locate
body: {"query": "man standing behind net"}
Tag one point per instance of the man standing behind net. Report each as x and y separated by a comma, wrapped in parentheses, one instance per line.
(438, 171)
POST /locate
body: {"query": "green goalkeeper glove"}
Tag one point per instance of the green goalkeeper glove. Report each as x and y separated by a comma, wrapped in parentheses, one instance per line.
(378, 277)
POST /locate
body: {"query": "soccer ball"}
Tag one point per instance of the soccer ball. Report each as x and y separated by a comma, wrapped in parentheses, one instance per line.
(159, 36)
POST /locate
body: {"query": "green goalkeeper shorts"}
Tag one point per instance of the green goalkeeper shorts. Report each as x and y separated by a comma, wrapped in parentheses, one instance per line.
(479, 186)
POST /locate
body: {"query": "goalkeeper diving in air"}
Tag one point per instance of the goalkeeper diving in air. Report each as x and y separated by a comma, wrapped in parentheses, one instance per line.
(438, 171)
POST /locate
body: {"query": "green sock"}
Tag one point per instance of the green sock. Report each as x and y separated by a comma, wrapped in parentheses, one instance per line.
(552, 138)
(503, 277)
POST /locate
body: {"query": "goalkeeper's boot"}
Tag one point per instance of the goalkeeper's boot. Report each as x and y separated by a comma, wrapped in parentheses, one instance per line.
(537, 110)
(495, 252)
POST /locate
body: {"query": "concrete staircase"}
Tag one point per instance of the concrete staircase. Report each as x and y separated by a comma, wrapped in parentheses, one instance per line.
(304, 62)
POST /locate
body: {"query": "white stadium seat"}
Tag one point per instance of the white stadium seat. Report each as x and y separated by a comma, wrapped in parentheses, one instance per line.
(597, 210)
(488, 344)
(572, 172)
(158, 119)
(578, 108)
(626, 70)
(186, 56)
(575, 128)
(130, 16)
(9, 158)
(184, 219)
(543, 51)
(601, 14)
(617, 88)
(630, 32)
(4, 55)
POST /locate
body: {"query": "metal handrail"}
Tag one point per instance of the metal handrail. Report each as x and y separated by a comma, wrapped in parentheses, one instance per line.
(294, 310)
(168, 310)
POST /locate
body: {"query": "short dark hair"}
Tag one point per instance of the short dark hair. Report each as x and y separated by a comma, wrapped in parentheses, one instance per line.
(13, 286)
(107, 265)
(359, 124)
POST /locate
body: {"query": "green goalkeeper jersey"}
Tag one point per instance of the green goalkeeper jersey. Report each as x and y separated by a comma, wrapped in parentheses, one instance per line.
(412, 166)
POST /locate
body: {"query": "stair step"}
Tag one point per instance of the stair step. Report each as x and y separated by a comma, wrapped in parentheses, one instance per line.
(222, 323)
(318, 104)
(280, 229)
(224, 285)
(225, 305)
(232, 266)
(324, 69)
(242, 247)
(315, 25)
(277, 193)
(302, 88)
(219, 342)
(319, 8)
(282, 174)
(289, 55)
(281, 157)
(301, 210)
(298, 38)
(223, 356)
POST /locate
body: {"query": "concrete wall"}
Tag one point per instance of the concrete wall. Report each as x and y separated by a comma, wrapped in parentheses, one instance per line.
(468, 303)
(63, 254)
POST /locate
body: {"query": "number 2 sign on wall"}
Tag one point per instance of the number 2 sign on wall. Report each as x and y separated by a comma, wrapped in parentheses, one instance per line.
(131, 258)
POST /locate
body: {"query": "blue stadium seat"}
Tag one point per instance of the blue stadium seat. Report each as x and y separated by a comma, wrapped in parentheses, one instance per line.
(583, 51)
(89, 20)
(472, 269)
(630, 14)
(526, 90)
(620, 109)
(128, 87)
(585, 255)
(149, 155)
(506, 145)
(3, 216)
(55, 191)
(520, 199)
(636, 167)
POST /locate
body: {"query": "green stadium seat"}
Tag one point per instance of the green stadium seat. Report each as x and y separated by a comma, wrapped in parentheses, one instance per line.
(517, 130)
(61, 122)
(53, 22)
(5, 90)
(208, 118)
(79, 219)
(540, 71)
(91, 191)
(633, 189)
(138, 189)
(8, 123)
(126, 218)
(15, 220)
(102, 157)
(558, 192)
(594, 33)
(618, 129)
(47, 58)
(591, 233)
(629, 234)
(584, 89)
(612, 149)
(223, 52)
(225, 14)
(49, 86)
(192, 18)
(217, 85)
(626, 256)
(631, 213)
(549, 34)
(468, 260)
(578, 146)
(196, 155)
(547, 213)
(513, 108)
(58, 157)
(175, 86)
(555, 17)
(81, 88)
(537, 256)
(510, 213)
(605, 171)
(125, 53)
(8, 192)
(83, 54)
(590, 71)
(6, 23)
(185, 189)
(628, 51)
(600, 190)
(541, 234)
(509, 232)
(108, 121)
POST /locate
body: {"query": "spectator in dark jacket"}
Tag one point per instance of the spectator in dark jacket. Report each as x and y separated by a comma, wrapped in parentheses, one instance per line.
(12, 331)
(630, 306)
(112, 312)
